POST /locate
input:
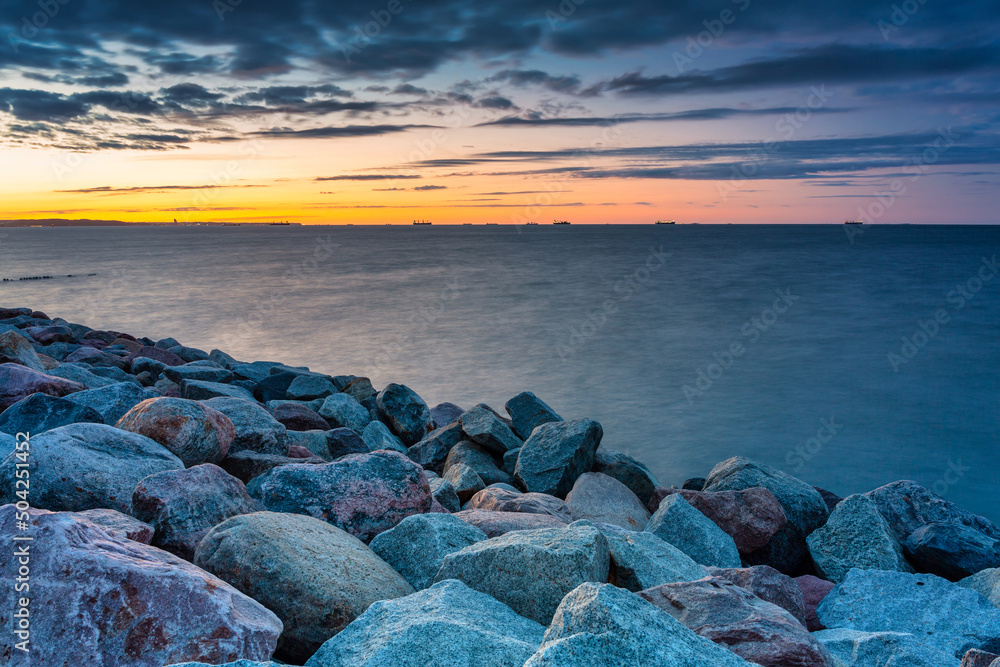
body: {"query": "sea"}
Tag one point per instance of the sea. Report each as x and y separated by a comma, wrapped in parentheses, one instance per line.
(848, 356)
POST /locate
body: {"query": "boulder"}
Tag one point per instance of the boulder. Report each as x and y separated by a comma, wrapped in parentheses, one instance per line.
(364, 494)
(433, 450)
(855, 535)
(445, 413)
(272, 387)
(98, 358)
(189, 354)
(769, 585)
(483, 427)
(444, 493)
(246, 465)
(804, 508)
(404, 412)
(314, 576)
(16, 347)
(258, 371)
(316, 442)
(600, 624)
(603, 499)
(447, 624)
(465, 481)
(641, 560)
(113, 401)
(360, 389)
(256, 429)
(18, 382)
(479, 459)
(46, 335)
(8, 443)
(157, 354)
(907, 507)
(416, 547)
(193, 431)
(179, 374)
(344, 441)
(378, 436)
(528, 411)
(813, 590)
(756, 630)
(310, 387)
(199, 390)
(119, 525)
(831, 499)
(86, 466)
(751, 517)
(111, 601)
(183, 505)
(510, 461)
(976, 658)
(633, 474)
(854, 648)
(693, 533)
(298, 417)
(80, 373)
(340, 410)
(40, 412)
(928, 607)
(495, 524)
(556, 454)
(951, 550)
(499, 499)
(531, 570)
(986, 582)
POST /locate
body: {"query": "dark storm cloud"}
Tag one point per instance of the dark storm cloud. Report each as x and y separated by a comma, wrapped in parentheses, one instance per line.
(190, 94)
(346, 131)
(719, 113)
(40, 105)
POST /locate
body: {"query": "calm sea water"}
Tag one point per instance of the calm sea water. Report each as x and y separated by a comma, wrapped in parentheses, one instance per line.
(689, 344)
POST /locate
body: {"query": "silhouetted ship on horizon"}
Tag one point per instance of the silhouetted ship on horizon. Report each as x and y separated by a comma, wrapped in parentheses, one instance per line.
(560, 222)
(666, 222)
(422, 222)
(854, 222)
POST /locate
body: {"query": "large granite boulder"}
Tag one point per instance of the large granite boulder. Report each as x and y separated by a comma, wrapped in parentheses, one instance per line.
(855, 535)
(179, 374)
(907, 507)
(40, 412)
(158, 354)
(18, 382)
(751, 517)
(246, 465)
(531, 570)
(854, 648)
(499, 499)
(928, 607)
(495, 524)
(343, 411)
(603, 499)
(417, 545)
(314, 576)
(556, 454)
(951, 550)
(641, 560)
(601, 624)
(364, 494)
(378, 436)
(200, 390)
(445, 413)
(404, 412)
(119, 525)
(447, 624)
(342, 441)
(8, 443)
(693, 533)
(256, 429)
(757, 631)
(308, 387)
(299, 417)
(986, 582)
(81, 373)
(483, 427)
(104, 600)
(183, 505)
(15, 347)
(193, 431)
(113, 401)
(479, 459)
(630, 472)
(803, 505)
(466, 482)
(528, 411)
(86, 466)
(769, 585)
(444, 493)
(432, 451)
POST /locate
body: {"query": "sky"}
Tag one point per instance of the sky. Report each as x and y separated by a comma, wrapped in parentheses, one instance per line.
(592, 111)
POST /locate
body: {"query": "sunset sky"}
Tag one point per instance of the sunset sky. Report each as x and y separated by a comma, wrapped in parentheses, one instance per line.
(594, 111)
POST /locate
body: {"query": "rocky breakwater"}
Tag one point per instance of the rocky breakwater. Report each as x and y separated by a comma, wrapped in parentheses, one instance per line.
(188, 508)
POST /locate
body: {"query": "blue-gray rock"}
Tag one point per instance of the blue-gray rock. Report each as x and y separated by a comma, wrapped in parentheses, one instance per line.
(113, 401)
(183, 505)
(246, 465)
(693, 533)
(528, 411)
(951, 550)
(855, 535)
(119, 525)
(641, 560)
(256, 429)
(343, 441)
(360, 389)
(189, 354)
(445, 413)
(448, 625)
(854, 648)
(341, 410)
(314, 576)
(378, 436)
(417, 545)
(500, 499)
(483, 427)
(223, 359)
(193, 372)
(556, 455)
(114, 373)
(310, 387)
(907, 507)
(404, 412)
(274, 387)
(80, 373)
(258, 371)
(986, 582)
(532, 570)
(465, 481)
(154, 367)
(317, 442)
(478, 458)
(495, 524)
(630, 472)
(433, 450)
(930, 608)
(59, 351)
(40, 412)
(441, 489)
(603, 499)
(8, 443)
(365, 494)
(804, 509)
(86, 466)
(601, 624)
(510, 461)
(166, 343)
(199, 390)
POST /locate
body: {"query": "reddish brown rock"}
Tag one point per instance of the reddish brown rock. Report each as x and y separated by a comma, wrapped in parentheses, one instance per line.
(192, 431)
(495, 524)
(814, 590)
(499, 499)
(300, 452)
(297, 417)
(112, 601)
(158, 354)
(769, 585)
(977, 658)
(655, 498)
(751, 517)
(753, 629)
(18, 382)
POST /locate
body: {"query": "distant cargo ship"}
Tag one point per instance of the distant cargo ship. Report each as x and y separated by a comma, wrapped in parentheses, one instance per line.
(422, 222)
(531, 223)
(666, 222)
(854, 222)
(560, 222)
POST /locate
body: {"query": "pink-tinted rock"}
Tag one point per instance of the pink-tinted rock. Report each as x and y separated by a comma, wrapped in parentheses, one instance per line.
(246, 465)
(655, 498)
(499, 499)
(299, 452)
(768, 584)
(977, 658)
(95, 357)
(603, 499)
(495, 524)
(119, 525)
(751, 516)
(297, 417)
(158, 354)
(15, 347)
(753, 629)
(814, 590)
(192, 431)
(18, 382)
(183, 505)
(364, 494)
(108, 601)
(50, 334)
